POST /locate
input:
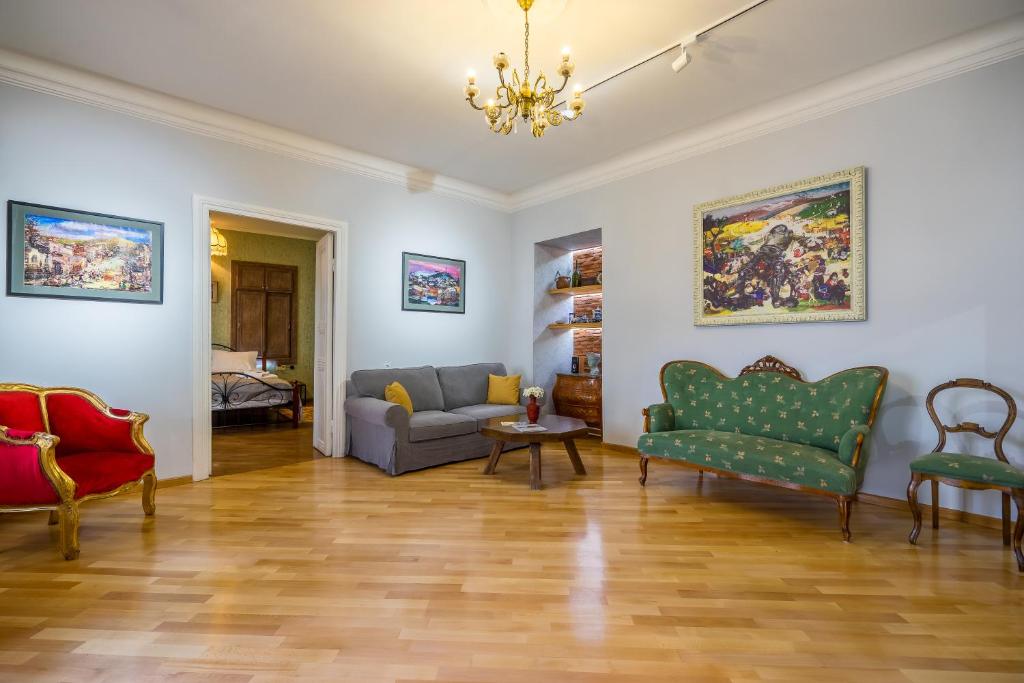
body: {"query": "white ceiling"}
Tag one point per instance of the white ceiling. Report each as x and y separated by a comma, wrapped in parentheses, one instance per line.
(385, 77)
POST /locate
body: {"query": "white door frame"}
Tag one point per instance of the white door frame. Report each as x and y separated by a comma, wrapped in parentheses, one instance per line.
(202, 427)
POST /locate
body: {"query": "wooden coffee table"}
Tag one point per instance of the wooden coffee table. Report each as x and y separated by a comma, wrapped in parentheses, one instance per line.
(557, 428)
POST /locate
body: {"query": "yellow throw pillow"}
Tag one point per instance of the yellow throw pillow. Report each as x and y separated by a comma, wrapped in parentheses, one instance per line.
(396, 393)
(503, 390)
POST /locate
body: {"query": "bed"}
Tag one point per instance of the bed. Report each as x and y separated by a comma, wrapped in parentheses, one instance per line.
(243, 395)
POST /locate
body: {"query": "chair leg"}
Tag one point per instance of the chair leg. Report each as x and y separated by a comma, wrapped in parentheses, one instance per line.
(935, 504)
(845, 508)
(700, 476)
(1006, 519)
(1018, 530)
(68, 532)
(54, 518)
(149, 494)
(643, 470)
(915, 509)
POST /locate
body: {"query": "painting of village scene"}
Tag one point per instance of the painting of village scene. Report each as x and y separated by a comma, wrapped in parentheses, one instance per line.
(792, 253)
(82, 255)
(431, 283)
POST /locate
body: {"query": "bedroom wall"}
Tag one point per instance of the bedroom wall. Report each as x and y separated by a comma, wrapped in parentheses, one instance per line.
(58, 152)
(944, 175)
(248, 246)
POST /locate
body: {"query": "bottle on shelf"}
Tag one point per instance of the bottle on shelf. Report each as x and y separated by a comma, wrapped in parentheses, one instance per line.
(576, 277)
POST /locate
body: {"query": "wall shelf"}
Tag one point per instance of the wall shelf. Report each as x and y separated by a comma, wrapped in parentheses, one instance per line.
(574, 326)
(576, 291)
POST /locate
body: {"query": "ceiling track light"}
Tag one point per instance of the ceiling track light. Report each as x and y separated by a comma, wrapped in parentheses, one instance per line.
(684, 58)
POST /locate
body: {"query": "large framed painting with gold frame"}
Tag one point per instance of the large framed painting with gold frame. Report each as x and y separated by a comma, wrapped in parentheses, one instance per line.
(786, 254)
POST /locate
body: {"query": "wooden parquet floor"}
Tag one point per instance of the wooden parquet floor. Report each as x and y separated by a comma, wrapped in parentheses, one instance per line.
(245, 449)
(330, 570)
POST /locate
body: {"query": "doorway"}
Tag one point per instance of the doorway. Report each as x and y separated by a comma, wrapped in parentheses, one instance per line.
(279, 291)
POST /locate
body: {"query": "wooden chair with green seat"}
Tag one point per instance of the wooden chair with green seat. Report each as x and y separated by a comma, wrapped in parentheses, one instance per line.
(970, 471)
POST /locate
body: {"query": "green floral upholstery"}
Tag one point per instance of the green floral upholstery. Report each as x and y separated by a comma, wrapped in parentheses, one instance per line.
(969, 468)
(766, 424)
(661, 417)
(795, 463)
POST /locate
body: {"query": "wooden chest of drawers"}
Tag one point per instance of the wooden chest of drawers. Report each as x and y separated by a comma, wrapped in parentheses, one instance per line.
(578, 396)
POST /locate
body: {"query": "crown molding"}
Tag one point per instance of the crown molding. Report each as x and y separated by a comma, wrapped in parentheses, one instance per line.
(966, 52)
(969, 51)
(107, 93)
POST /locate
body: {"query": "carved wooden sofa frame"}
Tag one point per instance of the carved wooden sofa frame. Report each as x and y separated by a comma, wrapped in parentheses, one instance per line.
(844, 503)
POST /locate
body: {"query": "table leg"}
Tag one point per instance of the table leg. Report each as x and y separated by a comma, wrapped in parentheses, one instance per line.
(535, 474)
(574, 456)
(492, 463)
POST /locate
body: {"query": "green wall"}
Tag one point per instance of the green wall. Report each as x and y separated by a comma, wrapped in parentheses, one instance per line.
(247, 246)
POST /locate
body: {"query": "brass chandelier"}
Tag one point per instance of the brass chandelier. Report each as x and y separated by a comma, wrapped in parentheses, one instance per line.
(536, 102)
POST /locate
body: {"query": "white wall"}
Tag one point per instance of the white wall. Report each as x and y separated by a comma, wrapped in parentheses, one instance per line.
(56, 152)
(945, 245)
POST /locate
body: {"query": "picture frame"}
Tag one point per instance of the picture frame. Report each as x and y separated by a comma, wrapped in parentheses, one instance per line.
(214, 292)
(61, 253)
(789, 253)
(433, 284)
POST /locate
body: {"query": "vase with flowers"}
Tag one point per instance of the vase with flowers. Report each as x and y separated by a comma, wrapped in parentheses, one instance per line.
(532, 407)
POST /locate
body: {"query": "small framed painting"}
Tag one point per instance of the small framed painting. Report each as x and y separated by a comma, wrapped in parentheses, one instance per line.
(68, 254)
(786, 254)
(214, 292)
(432, 283)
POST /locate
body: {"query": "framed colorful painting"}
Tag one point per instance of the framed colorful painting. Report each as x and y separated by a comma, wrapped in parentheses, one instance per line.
(67, 254)
(432, 283)
(786, 254)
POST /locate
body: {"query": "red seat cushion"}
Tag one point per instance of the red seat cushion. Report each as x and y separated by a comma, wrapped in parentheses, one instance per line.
(82, 427)
(103, 471)
(21, 410)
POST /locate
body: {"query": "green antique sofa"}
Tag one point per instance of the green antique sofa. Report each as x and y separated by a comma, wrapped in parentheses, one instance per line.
(767, 425)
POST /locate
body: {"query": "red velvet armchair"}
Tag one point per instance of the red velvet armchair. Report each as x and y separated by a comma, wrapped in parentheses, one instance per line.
(60, 447)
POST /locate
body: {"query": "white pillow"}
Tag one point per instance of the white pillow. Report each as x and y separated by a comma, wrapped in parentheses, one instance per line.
(232, 361)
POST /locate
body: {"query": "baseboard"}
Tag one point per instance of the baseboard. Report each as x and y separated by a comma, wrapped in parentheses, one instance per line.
(882, 501)
(173, 481)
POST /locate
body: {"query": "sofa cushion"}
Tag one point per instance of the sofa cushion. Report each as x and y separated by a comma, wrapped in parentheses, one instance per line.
(770, 404)
(396, 393)
(420, 383)
(466, 385)
(482, 413)
(425, 425)
(21, 410)
(103, 471)
(969, 468)
(773, 460)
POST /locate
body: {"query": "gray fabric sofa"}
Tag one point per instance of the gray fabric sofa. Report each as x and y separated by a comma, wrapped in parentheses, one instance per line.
(449, 404)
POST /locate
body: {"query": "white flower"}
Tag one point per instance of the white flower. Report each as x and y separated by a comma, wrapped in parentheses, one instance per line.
(535, 392)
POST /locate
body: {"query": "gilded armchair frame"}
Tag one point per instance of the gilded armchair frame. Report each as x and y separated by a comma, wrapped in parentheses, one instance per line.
(844, 503)
(65, 512)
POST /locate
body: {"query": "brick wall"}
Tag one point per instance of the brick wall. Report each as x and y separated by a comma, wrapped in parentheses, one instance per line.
(585, 305)
(589, 262)
(584, 342)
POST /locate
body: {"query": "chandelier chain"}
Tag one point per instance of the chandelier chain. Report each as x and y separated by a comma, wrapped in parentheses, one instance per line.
(526, 42)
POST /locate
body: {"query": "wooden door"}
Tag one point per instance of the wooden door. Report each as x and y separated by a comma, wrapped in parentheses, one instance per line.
(263, 310)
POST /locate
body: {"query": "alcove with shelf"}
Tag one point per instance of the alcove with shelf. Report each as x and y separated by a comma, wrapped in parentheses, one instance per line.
(565, 325)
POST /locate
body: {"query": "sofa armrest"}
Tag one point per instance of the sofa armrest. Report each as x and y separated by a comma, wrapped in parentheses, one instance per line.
(29, 474)
(853, 448)
(660, 417)
(378, 412)
(85, 423)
